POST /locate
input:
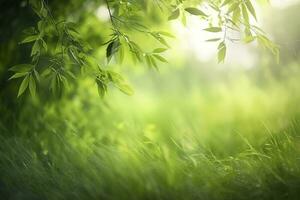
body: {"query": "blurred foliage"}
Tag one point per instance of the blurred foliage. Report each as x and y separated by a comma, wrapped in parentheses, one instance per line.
(193, 130)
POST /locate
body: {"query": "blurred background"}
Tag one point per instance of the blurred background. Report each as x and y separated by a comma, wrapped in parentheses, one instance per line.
(194, 130)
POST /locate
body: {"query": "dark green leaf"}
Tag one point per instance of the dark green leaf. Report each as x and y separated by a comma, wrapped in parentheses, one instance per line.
(112, 48)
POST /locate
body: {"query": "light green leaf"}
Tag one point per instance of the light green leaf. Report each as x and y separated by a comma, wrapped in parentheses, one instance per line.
(125, 88)
(250, 8)
(30, 38)
(174, 15)
(233, 7)
(213, 40)
(18, 75)
(44, 44)
(32, 86)
(153, 62)
(46, 72)
(183, 19)
(214, 29)
(221, 52)
(245, 14)
(160, 58)
(236, 16)
(149, 63)
(159, 50)
(35, 48)
(21, 68)
(37, 75)
(23, 85)
(166, 34)
(195, 11)
(226, 2)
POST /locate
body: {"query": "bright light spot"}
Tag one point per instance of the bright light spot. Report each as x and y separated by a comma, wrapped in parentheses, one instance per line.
(192, 40)
(102, 13)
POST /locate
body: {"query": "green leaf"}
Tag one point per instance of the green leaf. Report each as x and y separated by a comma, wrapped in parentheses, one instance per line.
(166, 34)
(125, 88)
(245, 14)
(221, 45)
(41, 25)
(21, 68)
(213, 40)
(236, 16)
(121, 54)
(18, 75)
(161, 40)
(195, 11)
(159, 50)
(250, 8)
(35, 48)
(46, 72)
(153, 62)
(29, 31)
(183, 19)
(32, 86)
(248, 39)
(174, 15)
(148, 60)
(233, 7)
(44, 44)
(54, 84)
(226, 2)
(37, 75)
(29, 39)
(160, 58)
(221, 52)
(70, 74)
(102, 89)
(23, 85)
(44, 12)
(112, 48)
(214, 29)
(119, 82)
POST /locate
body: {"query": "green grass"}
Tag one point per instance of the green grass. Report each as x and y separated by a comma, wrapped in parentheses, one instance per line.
(234, 137)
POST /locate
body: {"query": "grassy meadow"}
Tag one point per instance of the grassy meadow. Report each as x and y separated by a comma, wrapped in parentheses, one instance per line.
(212, 135)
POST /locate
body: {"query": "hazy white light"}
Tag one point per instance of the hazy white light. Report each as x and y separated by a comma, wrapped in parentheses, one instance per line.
(102, 13)
(283, 3)
(192, 41)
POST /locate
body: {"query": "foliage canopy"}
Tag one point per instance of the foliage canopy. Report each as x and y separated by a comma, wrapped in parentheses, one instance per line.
(59, 54)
